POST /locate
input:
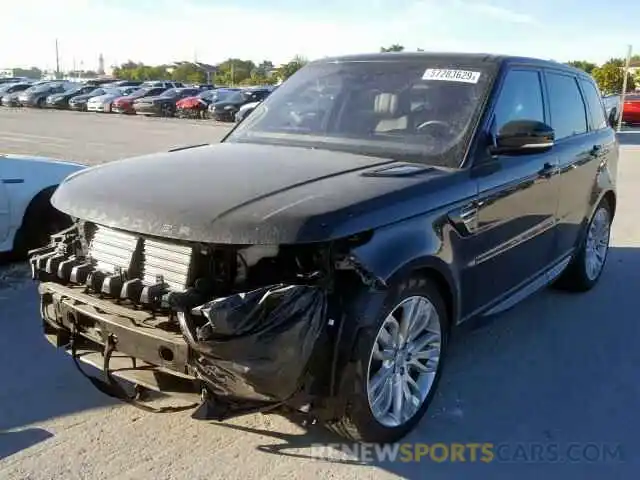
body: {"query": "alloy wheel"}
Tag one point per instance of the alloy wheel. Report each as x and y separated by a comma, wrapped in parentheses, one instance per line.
(404, 361)
(597, 244)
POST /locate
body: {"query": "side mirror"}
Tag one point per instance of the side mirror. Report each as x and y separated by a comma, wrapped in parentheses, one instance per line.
(522, 137)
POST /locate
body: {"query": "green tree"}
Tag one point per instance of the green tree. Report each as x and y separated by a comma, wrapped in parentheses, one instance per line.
(234, 71)
(264, 69)
(583, 65)
(286, 70)
(610, 77)
(393, 48)
(33, 72)
(141, 72)
(188, 72)
(618, 62)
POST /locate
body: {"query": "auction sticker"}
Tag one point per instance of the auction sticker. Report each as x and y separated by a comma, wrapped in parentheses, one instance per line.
(465, 76)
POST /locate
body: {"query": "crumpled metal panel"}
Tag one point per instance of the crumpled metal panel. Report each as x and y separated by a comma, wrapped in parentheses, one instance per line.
(256, 345)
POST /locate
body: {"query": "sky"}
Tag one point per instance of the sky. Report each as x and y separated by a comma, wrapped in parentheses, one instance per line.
(210, 31)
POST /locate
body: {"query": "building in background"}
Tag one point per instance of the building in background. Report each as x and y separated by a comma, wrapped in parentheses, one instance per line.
(100, 65)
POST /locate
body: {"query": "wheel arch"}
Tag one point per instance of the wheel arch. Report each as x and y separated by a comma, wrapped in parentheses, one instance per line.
(610, 197)
(43, 195)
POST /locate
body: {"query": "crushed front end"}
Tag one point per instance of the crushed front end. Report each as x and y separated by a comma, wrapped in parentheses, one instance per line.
(236, 328)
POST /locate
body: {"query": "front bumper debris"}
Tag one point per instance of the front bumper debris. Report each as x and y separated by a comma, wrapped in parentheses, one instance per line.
(232, 355)
(145, 355)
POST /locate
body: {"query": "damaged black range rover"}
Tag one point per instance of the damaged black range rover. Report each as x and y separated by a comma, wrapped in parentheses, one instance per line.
(317, 258)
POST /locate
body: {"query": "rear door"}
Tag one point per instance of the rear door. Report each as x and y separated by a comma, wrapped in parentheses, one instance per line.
(583, 138)
(517, 202)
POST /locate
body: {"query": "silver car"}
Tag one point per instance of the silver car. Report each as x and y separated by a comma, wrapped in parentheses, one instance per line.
(102, 103)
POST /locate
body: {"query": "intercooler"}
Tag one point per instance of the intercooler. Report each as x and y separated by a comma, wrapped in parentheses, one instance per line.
(149, 261)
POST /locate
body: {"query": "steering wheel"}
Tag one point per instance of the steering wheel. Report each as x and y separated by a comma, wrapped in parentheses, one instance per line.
(432, 123)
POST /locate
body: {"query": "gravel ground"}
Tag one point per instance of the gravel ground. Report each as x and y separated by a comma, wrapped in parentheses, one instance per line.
(558, 369)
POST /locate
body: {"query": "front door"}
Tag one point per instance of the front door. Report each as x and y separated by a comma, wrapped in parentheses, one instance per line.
(4, 208)
(517, 202)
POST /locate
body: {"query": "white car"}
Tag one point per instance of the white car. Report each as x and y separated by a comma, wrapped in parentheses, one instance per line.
(245, 110)
(102, 103)
(26, 215)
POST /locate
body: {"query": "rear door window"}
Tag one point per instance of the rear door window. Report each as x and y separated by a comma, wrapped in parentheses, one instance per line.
(597, 118)
(568, 112)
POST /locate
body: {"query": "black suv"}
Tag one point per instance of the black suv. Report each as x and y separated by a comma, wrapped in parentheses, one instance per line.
(317, 259)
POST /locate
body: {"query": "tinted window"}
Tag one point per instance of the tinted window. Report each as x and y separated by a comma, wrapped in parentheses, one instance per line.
(594, 103)
(568, 115)
(520, 98)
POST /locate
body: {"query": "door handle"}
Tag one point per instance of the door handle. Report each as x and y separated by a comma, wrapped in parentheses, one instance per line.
(547, 170)
(595, 150)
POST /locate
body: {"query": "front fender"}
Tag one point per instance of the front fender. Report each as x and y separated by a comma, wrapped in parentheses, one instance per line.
(421, 244)
(25, 177)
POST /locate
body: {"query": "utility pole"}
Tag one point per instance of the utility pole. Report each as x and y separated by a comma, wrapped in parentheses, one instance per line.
(57, 61)
(233, 77)
(624, 86)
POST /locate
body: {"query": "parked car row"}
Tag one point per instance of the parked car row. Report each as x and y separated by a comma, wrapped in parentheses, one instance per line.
(157, 98)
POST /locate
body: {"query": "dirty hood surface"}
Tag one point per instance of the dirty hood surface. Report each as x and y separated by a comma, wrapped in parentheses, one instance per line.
(230, 193)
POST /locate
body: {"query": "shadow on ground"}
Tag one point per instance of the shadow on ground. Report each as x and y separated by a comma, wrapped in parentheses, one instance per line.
(38, 382)
(13, 442)
(552, 384)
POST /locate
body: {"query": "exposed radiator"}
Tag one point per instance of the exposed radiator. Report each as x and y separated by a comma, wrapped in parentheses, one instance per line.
(167, 260)
(113, 251)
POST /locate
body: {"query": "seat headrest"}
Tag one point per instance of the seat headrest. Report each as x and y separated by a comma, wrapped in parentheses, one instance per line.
(386, 105)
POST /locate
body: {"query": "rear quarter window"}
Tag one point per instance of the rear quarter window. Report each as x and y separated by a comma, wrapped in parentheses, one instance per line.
(597, 118)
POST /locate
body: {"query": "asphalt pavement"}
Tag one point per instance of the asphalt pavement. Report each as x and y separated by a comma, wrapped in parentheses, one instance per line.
(93, 138)
(555, 374)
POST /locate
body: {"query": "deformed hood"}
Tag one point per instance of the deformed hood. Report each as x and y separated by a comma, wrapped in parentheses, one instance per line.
(234, 193)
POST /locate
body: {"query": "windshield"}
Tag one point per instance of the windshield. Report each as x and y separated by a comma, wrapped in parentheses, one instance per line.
(139, 93)
(6, 87)
(42, 88)
(419, 110)
(172, 92)
(236, 97)
(222, 95)
(96, 92)
(124, 90)
(17, 87)
(75, 89)
(206, 95)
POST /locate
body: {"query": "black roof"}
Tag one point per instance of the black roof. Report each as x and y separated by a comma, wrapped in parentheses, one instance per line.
(466, 58)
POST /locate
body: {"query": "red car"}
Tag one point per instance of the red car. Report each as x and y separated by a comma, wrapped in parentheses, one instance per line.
(125, 104)
(195, 107)
(631, 110)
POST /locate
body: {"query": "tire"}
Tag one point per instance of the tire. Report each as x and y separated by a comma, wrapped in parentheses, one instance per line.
(580, 275)
(39, 222)
(40, 103)
(167, 110)
(358, 421)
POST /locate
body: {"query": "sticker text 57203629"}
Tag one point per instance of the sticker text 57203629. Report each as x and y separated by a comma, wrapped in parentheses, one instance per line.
(465, 76)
